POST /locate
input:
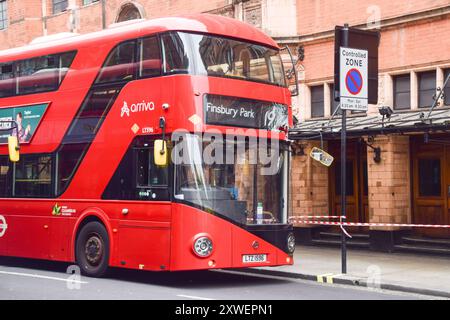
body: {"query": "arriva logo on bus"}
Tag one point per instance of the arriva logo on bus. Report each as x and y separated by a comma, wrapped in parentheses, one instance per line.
(136, 107)
(3, 226)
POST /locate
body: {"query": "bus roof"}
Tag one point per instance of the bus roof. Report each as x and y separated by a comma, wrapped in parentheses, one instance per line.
(204, 23)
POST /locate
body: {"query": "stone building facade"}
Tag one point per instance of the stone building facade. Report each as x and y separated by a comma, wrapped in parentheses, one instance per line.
(23, 21)
(410, 182)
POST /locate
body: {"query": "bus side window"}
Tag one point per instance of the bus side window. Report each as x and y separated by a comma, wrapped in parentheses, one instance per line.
(65, 61)
(5, 177)
(38, 74)
(148, 174)
(136, 177)
(68, 158)
(7, 80)
(33, 176)
(120, 63)
(175, 53)
(150, 59)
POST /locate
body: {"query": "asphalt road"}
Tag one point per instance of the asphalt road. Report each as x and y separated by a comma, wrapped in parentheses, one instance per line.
(33, 279)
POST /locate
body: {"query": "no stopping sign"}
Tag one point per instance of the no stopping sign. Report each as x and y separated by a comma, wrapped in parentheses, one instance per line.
(353, 79)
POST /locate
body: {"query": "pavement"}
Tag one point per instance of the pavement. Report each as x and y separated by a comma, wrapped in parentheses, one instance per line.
(44, 280)
(414, 273)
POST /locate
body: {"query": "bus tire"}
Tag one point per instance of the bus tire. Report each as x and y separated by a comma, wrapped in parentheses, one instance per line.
(92, 249)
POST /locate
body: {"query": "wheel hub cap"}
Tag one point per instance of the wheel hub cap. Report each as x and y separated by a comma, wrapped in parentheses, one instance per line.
(94, 250)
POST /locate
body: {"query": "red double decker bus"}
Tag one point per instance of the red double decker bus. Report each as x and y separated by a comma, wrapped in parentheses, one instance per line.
(116, 130)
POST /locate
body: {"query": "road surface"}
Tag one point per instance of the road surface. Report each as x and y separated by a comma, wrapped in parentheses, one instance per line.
(34, 279)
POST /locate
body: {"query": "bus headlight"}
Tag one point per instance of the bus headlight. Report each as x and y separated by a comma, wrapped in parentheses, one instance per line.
(291, 243)
(203, 246)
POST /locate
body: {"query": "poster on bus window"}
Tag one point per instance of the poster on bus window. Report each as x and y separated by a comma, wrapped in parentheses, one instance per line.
(27, 119)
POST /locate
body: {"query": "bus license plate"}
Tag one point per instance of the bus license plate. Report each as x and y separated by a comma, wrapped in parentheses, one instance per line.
(249, 258)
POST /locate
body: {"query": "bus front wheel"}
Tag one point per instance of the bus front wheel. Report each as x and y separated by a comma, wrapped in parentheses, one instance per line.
(92, 249)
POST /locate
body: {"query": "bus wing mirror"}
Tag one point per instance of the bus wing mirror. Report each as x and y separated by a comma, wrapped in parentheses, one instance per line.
(161, 155)
(323, 157)
(291, 72)
(13, 148)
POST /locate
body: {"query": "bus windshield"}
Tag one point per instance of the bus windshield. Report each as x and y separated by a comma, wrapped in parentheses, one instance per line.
(222, 57)
(230, 178)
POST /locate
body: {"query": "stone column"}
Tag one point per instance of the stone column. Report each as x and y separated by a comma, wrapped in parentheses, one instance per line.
(389, 185)
(309, 188)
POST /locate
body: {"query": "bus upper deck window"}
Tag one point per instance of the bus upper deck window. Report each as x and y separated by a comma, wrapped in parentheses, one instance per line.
(223, 57)
(120, 64)
(175, 53)
(38, 74)
(7, 80)
(34, 75)
(150, 62)
(65, 62)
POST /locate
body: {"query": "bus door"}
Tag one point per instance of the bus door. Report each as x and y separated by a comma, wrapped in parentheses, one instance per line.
(144, 225)
(29, 220)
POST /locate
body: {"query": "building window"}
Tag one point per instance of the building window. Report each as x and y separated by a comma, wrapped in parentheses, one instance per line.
(60, 6)
(86, 2)
(334, 104)
(128, 12)
(427, 88)
(402, 92)
(447, 88)
(317, 102)
(430, 177)
(3, 14)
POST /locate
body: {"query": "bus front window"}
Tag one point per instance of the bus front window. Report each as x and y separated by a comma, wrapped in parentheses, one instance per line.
(236, 184)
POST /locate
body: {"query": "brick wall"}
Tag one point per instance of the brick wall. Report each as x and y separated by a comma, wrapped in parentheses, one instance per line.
(26, 20)
(402, 47)
(317, 16)
(389, 181)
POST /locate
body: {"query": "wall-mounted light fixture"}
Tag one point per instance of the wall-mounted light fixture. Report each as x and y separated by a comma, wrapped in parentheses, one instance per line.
(385, 111)
(301, 53)
(298, 149)
(376, 150)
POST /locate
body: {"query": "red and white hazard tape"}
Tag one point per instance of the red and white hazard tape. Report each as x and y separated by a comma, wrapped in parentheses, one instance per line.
(318, 217)
(251, 220)
(360, 224)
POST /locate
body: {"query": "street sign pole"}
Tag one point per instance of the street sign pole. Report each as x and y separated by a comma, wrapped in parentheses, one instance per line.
(357, 87)
(343, 171)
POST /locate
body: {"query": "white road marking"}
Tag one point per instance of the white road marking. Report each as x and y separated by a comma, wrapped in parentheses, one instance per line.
(193, 297)
(30, 275)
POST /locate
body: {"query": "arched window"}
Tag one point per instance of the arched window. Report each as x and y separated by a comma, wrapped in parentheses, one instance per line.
(129, 11)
